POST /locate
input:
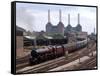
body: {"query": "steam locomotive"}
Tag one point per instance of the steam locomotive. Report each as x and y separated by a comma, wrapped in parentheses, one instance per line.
(52, 52)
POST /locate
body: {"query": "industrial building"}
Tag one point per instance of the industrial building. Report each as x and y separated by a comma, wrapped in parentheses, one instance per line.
(59, 28)
(53, 29)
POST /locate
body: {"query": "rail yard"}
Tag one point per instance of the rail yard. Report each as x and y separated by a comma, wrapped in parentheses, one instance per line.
(82, 58)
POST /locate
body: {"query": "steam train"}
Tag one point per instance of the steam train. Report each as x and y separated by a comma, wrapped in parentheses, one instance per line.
(52, 52)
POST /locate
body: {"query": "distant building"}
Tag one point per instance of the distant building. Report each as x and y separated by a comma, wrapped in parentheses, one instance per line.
(19, 31)
(52, 29)
(19, 42)
(82, 35)
(59, 28)
(76, 29)
(72, 33)
(79, 27)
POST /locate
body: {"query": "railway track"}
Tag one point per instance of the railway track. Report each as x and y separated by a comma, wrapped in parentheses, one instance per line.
(86, 63)
(53, 64)
(54, 60)
(89, 64)
(24, 61)
(21, 60)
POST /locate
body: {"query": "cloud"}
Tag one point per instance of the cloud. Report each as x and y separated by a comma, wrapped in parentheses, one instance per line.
(34, 17)
(25, 18)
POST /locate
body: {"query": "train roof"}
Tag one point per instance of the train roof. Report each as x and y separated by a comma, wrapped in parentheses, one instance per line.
(82, 41)
(70, 44)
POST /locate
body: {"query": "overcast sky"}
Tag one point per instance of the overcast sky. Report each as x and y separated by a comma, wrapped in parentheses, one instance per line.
(34, 17)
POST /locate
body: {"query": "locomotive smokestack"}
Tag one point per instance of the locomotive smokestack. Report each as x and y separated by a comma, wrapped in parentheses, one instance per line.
(60, 13)
(68, 19)
(49, 15)
(78, 18)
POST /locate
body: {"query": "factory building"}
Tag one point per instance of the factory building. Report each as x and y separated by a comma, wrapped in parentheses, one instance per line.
(59, 28)
(55, 29)
(74, 33)
(70, 29)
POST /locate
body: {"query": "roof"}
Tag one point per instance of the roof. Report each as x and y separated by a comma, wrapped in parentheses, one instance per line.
(20, 29)
(48, 37)
(30, 37)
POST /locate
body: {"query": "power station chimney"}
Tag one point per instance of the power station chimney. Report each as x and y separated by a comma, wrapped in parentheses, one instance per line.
(49, 15)
(68, 19)
(78, 18)
(60, 13)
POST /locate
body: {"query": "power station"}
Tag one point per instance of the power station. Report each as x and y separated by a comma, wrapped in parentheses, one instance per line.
(52, 29)
(59, 28)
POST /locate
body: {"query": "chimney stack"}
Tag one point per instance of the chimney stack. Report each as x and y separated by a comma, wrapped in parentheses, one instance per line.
(60, 13)
(68, 19)
(78, 18)
(49, 15)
